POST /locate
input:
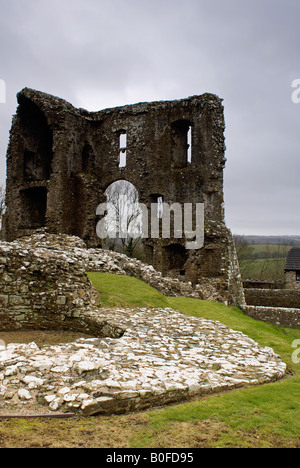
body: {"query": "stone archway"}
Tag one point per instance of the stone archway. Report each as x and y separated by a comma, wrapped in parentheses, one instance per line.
(123, 218)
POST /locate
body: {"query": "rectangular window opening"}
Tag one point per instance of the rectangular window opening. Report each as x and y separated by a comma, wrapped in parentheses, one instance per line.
(160, 208)
(297, 275)
(123, 158)
(158, 199)
(34, 206)
(182, 143)
(189, 145)
(123, 140)
(123, 149)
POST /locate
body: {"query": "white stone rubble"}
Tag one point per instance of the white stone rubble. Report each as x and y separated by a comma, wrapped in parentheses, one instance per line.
(73, 250)
(163, 357)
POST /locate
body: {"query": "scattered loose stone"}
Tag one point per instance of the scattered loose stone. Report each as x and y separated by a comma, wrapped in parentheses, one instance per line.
(24, 394)
(162, 357)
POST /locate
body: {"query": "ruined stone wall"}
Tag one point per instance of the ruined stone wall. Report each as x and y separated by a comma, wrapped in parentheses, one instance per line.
(44, 285)
(278, 306)
(49, 270)
(60, 161)
(281, 316)
(286, 298)
(45, 289)
(291, 282)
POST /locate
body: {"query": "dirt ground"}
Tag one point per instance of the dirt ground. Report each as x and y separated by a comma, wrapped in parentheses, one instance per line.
(40, 337)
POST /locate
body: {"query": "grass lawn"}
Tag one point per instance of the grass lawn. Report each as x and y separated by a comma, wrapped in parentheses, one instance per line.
(263, 416)
(126, 291)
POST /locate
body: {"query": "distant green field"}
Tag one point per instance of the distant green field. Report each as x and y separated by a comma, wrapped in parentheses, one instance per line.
(271, 247)
(267, 250)
(263, 269)
(264, 262)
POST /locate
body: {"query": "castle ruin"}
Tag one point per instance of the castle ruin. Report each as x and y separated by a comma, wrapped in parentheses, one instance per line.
(61, 160)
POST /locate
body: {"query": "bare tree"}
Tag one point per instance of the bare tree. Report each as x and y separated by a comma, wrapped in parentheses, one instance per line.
(272, 266)
(123, 220)
(267, 264)
(246, 255)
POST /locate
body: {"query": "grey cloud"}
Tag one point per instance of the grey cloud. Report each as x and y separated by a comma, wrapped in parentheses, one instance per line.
(100, 53)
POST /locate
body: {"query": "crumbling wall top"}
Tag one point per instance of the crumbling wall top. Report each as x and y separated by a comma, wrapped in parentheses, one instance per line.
(47, 102)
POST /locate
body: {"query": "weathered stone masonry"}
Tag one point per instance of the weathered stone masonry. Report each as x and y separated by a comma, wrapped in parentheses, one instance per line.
(137, 358)
(60, 161)
(47, 289)
(44, 285)
(279, 306)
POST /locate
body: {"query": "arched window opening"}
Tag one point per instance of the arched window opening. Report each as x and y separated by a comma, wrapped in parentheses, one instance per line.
(123, 218)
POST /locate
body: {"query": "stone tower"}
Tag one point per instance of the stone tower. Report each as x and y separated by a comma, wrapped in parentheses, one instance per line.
(60, 161)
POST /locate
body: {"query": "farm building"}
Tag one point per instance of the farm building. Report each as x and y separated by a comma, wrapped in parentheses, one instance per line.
(292, 269)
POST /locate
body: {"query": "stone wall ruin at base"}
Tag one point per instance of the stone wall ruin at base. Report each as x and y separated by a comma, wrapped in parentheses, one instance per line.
(44, 284)
(135, 359)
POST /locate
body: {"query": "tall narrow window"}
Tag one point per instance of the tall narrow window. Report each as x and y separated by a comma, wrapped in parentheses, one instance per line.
(160, 208)
(182, 143)
(189, 144)
(123, 149)
(158, 199)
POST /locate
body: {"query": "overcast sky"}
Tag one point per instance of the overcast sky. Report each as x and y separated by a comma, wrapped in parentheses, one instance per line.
(106, 53)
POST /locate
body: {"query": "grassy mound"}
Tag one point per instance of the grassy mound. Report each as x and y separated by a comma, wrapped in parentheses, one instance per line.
(126, 291)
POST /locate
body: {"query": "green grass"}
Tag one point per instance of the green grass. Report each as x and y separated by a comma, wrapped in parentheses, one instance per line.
(261, 416)
(126, 291)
